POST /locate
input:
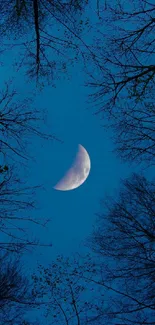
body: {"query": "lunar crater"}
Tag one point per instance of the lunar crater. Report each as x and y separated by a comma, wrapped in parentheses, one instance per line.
(78, 172)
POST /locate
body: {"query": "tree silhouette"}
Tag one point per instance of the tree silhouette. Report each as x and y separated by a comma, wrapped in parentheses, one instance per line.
(124, 78)
(17, 202)
(124, 239)
(18, 121)
(45, 31)
(68, 296)
(16, 297)
(116, 284)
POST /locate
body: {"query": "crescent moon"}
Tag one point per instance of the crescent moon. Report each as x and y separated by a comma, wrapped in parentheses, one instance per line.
(78, 172)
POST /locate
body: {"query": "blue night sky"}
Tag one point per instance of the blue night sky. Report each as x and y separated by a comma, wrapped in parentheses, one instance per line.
(70, 118)
(72, 213)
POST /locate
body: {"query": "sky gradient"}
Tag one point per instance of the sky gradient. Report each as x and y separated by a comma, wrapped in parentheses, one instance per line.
(72, 213)
(68, 116)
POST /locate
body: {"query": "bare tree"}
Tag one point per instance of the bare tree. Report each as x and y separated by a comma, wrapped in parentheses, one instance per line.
(18, 121)
(135, 133)
(124, 240)
(45, 32)
(124, 78)
(17, 202)
(16, 296)
(69, 297)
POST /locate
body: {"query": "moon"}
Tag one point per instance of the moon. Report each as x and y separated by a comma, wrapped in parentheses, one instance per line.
(77, 173)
